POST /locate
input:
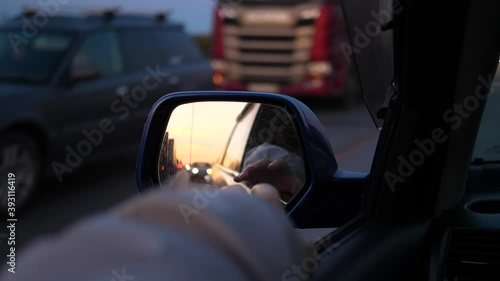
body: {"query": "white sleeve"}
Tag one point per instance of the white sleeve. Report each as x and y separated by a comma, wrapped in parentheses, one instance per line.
(274, 152)
(166, 236)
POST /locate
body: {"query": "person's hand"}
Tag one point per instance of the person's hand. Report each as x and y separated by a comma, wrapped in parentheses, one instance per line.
(274, 172)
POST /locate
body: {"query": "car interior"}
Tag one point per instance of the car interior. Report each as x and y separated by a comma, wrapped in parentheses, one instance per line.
(441, 222)
(429, 209)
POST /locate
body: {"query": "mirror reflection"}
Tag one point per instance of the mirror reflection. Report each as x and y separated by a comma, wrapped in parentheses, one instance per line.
(215, 144)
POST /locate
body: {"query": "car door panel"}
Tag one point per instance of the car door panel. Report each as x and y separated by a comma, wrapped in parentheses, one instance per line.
(371, 247)
(86, 106)
(144, 87)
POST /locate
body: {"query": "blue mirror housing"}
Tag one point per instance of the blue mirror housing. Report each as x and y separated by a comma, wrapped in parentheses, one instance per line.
(326, 189)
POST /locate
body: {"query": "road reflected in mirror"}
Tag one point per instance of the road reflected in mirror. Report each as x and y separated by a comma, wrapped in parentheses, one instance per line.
(216, 144)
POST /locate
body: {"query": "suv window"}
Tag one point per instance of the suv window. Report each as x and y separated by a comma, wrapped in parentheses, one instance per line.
(102, 51)
(33, 60)
(142, 49)
(178, 47)
(238, 140)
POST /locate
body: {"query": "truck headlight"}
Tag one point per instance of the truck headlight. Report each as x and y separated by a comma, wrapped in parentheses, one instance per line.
(310, 14)
(319, 69)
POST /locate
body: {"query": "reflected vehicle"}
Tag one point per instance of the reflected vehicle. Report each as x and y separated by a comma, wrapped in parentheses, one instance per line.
(247, 144)
(200, 172)
(82, 86)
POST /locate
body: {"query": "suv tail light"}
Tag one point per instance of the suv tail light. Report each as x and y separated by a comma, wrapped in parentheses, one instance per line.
(217, 38)
(322, 44)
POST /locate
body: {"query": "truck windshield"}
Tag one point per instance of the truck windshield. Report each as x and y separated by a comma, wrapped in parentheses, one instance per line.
(31, 59)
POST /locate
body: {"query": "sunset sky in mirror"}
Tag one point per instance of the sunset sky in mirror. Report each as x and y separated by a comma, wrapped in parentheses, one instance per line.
(201, 129)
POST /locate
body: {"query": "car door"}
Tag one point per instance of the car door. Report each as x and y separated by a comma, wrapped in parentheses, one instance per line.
(230, 164)
(82, 113)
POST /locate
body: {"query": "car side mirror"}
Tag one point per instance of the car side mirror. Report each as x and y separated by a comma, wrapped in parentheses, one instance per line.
(206, 140)
(83, 73)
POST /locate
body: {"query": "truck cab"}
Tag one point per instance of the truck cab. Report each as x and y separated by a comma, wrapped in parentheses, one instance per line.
(289, 47)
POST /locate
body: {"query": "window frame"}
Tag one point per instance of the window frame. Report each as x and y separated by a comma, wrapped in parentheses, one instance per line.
(82, 41)
(76, 40)
(252, 113)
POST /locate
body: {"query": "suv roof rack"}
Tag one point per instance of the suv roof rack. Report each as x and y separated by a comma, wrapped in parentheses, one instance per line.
(159, 16)
(106, 13)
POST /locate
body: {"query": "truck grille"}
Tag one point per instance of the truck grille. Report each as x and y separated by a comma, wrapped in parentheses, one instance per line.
(268, 53)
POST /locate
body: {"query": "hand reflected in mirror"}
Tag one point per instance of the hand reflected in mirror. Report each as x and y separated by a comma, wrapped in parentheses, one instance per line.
(274, 165)
(219, 144)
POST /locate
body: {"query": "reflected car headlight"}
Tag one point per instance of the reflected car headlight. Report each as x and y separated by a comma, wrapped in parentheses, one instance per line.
(195, 171)
(209, 171)
(188, 167)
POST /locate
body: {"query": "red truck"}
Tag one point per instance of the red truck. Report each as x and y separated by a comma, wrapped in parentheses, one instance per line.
(289, 47)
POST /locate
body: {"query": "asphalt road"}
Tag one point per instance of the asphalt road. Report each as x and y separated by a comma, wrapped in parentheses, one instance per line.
(57, 205)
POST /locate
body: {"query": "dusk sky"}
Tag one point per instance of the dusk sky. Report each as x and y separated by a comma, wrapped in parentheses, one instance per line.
(196, 15)
(202, 129)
